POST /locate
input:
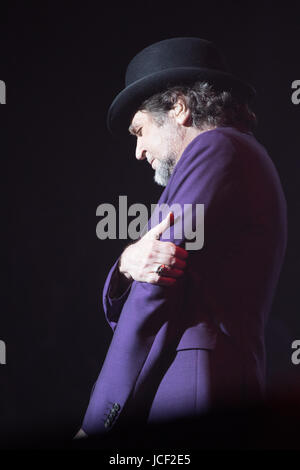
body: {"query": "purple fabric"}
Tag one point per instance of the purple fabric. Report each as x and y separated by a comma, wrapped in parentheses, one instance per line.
(222, 302)
(185, 389)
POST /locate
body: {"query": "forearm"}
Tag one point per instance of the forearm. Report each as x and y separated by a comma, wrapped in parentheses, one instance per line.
(151, 313)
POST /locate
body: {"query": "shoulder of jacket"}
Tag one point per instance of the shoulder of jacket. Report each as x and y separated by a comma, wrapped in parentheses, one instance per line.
(220, 136)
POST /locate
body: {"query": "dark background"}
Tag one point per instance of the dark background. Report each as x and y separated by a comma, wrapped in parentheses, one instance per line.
(63, 63)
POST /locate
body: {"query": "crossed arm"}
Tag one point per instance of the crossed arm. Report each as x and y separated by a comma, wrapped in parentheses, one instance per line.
(139, 262)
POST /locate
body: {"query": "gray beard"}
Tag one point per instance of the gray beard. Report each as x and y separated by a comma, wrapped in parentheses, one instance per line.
(165, 170)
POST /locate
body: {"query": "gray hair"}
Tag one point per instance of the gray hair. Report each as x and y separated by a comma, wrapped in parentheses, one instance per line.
(208, 107)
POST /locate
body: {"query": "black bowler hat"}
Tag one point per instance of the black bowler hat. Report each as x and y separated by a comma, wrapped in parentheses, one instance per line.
(166, 63)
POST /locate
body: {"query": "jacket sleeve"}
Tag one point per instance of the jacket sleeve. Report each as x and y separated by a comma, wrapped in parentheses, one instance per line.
(152, 311)
(113, 305)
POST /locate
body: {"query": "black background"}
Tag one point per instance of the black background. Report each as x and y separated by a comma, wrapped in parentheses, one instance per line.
(63, 63)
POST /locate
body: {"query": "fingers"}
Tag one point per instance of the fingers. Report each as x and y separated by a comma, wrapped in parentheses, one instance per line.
(165, 223)
(162, 280)
(171, 272)
(166, 278)
(169, 249)
(180, 252)
(81, 434)
(172, 256)
(155, 232)
(178, 263)
(173, 262)
(166, 281)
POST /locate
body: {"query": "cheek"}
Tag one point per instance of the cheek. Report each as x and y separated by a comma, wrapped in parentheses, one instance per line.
(160, 144)
(153, 146)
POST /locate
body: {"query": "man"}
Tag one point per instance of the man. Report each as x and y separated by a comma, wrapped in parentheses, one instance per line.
(189, 325)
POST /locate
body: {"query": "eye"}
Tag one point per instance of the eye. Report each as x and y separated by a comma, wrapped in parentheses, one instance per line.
(139, 132)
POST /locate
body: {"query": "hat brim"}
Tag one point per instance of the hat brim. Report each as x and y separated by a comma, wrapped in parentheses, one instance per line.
(126, 103)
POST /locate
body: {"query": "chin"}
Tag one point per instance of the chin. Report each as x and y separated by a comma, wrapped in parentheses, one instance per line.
(159, 180)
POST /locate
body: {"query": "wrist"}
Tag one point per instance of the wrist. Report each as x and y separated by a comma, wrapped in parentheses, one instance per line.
(118, 285)
(122, 267)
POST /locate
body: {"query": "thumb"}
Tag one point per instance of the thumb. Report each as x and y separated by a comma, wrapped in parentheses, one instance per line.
(156, 231)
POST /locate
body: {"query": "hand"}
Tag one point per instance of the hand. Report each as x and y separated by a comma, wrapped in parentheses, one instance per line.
(140, 261)
(80, 435)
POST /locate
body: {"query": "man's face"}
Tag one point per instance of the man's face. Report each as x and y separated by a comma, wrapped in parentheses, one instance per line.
(161, 145)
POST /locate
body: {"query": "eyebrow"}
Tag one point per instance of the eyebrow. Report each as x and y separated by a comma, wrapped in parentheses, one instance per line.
(133, 128)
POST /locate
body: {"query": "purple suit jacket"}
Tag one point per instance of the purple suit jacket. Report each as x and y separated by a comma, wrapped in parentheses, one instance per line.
(228, 286)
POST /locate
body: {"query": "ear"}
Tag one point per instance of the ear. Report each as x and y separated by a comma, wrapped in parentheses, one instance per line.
(181, 112)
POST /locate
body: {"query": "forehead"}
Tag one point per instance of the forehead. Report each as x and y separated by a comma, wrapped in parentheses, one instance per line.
(141, 118)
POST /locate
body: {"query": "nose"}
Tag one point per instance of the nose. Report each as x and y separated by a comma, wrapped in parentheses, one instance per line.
(140, 151)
